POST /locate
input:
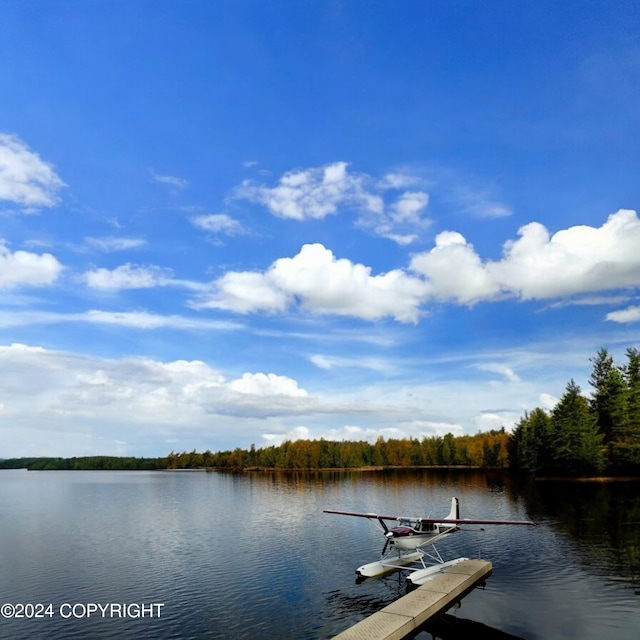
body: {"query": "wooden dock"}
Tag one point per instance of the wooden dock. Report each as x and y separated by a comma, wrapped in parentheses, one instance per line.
(406, 614)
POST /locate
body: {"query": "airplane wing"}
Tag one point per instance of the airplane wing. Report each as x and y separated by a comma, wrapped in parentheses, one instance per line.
(361, 515)
(470, 521)
(378, 516)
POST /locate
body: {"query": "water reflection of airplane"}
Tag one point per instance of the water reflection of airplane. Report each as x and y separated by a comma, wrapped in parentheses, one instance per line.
(406, 542)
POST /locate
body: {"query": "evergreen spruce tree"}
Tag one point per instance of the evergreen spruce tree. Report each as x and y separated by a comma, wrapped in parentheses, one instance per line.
(601, 399)
(632, 380)
(514, 446)
(625, 451)
(539, 441)
(531, 443)
(576, 440)
(616, 393)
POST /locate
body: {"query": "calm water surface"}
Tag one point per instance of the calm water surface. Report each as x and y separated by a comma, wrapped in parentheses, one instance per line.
(253, 556)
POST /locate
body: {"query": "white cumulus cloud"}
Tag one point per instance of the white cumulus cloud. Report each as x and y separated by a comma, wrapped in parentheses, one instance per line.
(22, 268)
(314, 193)
(148, 392)
(455, 271)
(625, 316)
(537, 265)
(489, 420)
(576, 260)
(409, 207)
(310, 193)
(267, 384)
(245, 292)
(321, 283)
(548, 401)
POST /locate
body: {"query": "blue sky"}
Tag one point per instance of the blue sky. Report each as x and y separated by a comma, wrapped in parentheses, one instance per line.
(225, 223)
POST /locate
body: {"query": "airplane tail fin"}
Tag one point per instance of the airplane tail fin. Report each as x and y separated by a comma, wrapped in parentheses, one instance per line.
(454, 514)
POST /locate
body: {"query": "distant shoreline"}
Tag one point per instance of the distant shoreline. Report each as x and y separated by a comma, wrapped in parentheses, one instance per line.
(376, 469)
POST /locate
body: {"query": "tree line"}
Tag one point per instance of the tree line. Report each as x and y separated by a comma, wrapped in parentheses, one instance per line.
(83, 463)
(480, 450)
(586, 436)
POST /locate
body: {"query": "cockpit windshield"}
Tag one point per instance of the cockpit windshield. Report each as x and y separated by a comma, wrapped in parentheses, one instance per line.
(409, 522)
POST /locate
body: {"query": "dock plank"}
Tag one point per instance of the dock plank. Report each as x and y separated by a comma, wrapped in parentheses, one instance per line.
(403, 616)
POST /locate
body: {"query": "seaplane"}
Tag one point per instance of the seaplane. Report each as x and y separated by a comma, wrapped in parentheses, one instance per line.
(412, 539)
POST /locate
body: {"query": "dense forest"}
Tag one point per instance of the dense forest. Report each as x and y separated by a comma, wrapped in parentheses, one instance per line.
(583, 436)
(579, 436)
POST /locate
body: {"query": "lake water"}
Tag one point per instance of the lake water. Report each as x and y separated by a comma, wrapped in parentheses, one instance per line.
(232, 556)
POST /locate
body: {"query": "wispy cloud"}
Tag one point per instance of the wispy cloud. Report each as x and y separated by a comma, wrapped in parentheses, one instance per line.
(131, 319)
(113, 244)
(172, 181)
(501, 369)
(328, 362)
(127, 276)
(144, 320)
(591, 301)
(399, 180)
(25, 179)
(217, 223)
(470, 195)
